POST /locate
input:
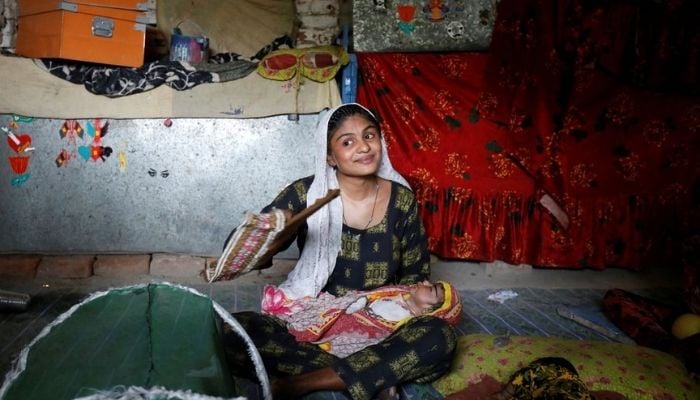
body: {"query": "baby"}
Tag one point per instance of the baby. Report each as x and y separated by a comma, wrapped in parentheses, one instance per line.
(343, 325)
(420, 299)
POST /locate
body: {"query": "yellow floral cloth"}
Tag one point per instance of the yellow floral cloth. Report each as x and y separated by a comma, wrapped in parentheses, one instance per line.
(319, 63)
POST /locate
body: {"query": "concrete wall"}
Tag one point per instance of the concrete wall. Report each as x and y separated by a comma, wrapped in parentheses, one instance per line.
(216, 170)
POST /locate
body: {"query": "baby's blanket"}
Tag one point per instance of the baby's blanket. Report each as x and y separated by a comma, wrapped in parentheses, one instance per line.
(340, 325)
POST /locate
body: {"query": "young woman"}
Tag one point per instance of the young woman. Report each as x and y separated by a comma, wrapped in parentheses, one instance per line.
(368, 237)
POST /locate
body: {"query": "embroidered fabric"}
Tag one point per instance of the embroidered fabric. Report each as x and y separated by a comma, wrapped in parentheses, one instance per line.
(244, 250)
(319, 63)
(323, 239)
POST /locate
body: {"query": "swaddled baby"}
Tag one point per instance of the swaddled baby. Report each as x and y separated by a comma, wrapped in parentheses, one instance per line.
(343, 325)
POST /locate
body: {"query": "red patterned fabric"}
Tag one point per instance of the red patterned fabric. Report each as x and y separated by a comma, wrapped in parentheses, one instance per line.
(557, 106)
(647, 322)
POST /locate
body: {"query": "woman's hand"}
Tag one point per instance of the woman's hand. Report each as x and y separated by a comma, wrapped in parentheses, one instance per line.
(287, 215)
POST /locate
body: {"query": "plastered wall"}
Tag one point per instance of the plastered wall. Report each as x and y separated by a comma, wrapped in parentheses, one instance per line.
(176, 189)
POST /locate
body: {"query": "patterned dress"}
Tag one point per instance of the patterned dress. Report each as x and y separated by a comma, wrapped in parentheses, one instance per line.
(392, 252)
(549, 378)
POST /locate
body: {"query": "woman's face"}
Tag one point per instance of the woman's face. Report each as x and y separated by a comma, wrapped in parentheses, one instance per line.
(355, 147)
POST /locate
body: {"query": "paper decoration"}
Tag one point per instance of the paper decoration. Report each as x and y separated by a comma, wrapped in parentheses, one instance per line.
(70, 129)
(63, 157)
(19, 180)
(435, 10)
(19, 164)
(17, 143)
(84, 152)
(122, 161)
(20, 144)
(406, 13)
(100, 152)
(94, 151)
(97, 130)
(21, 118)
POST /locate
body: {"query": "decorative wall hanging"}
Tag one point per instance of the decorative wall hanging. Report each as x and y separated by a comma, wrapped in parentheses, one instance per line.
(19, 180)
(455, 30)
(62, 158)
(380, 5)
(406, 14)
(435, 10)
(97, 130)
(70, 129)
(122, 161)
(121, 156)
(84, 152)
(19, 163)
(100, 152)
(18, 143)
(440, 25)
(21, 118)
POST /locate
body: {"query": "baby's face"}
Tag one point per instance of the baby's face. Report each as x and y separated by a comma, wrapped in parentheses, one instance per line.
(427, 295)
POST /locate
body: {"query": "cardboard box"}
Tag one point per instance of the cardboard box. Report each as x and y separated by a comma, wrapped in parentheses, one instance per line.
(99, 31)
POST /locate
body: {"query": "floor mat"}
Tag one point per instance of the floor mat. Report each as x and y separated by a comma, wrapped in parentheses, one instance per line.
(533, 312)
(530, 312)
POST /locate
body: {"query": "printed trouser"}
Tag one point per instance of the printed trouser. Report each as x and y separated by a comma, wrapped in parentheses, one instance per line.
(420, 351)
(545, 379)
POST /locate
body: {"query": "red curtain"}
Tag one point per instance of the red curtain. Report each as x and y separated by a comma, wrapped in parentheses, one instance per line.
(549, 109)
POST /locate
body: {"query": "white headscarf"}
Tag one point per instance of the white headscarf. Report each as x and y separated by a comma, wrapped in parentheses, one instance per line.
(322, 245)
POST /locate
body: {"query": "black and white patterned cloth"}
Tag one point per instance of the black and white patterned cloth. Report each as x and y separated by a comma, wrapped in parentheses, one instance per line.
(121, 81)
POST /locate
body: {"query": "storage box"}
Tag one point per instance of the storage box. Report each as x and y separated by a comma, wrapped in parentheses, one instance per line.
(99, 31)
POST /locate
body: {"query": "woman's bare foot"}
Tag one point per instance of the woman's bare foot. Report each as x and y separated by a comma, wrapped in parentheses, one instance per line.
(294, 387)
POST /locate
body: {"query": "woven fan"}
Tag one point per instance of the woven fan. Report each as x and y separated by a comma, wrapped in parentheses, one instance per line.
(258, 238)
